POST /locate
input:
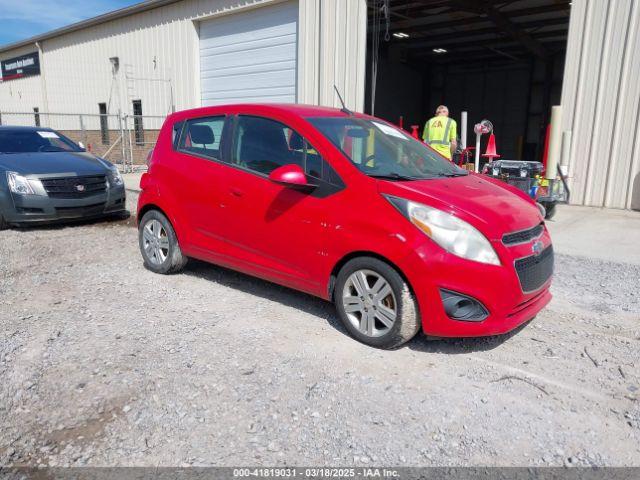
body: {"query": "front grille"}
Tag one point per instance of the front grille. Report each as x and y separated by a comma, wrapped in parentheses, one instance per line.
(523, 236)
(75, 187)
(535, 270)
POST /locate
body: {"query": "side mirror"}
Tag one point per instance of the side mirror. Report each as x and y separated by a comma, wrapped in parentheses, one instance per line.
(81, 145)
(289, 175)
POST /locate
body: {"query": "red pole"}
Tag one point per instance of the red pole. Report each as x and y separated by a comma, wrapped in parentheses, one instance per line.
(545, 154)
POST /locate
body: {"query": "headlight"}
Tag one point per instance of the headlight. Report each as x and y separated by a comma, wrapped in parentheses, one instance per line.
(115, 178)
(543, 211)
(19, 184)
(454, 235)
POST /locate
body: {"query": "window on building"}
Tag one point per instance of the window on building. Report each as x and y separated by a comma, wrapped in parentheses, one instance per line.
(138, 128)
(36, 116)
(263, 145)
(202, 136)
(104, 123)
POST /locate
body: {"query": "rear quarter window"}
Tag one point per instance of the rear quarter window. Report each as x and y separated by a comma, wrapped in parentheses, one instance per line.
(175, 133)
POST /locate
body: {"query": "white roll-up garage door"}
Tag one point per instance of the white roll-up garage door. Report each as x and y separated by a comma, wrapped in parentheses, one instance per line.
(250, 56)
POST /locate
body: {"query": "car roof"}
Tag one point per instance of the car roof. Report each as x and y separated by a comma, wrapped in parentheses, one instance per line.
(310, 110)
(23, 128)
(295, 109)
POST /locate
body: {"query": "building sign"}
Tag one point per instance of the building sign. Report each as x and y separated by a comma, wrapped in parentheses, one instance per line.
(22, 66)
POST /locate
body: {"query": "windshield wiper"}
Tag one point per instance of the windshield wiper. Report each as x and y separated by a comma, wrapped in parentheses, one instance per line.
(453, 174)
(392, 176)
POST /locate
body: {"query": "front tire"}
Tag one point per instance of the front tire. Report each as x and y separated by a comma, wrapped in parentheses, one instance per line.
(375, 304)
(159, 244)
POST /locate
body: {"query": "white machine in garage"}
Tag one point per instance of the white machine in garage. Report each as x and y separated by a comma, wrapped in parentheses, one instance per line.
(250, 56)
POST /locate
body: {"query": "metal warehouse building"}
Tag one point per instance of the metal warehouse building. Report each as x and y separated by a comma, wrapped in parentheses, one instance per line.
(508, 61)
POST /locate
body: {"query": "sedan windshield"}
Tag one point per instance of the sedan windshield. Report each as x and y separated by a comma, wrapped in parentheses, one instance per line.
(383, 151)
(34, 141)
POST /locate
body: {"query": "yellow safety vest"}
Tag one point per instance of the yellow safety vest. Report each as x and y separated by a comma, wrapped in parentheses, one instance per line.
(439, 132)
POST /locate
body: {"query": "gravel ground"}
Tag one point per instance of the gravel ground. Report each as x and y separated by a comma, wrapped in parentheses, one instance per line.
(104, 363)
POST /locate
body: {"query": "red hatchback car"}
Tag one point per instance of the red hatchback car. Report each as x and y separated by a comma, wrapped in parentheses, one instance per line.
(348, 208)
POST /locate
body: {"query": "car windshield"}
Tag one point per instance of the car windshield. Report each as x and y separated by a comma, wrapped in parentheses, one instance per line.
(33, 141)
(383, 151)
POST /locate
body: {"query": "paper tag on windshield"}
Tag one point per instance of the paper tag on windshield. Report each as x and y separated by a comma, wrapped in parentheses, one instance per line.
(386, 129)
(48, 134)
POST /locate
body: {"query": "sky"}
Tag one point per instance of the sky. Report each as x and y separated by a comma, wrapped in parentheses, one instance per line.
(21, 19)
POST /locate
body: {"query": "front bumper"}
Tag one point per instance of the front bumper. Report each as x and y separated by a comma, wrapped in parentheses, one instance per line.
(498, 288)
(32, 209)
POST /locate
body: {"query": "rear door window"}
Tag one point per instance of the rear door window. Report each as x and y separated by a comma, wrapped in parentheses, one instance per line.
(203, 137)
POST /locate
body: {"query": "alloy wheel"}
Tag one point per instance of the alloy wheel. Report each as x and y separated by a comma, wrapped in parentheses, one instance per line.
(155, 242)
(369, 303)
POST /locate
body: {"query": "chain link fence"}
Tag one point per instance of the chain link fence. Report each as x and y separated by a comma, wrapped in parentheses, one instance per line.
(124, 140)
(141, 134)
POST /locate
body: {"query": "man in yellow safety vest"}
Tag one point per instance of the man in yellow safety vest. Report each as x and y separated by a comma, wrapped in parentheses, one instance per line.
(440, 132)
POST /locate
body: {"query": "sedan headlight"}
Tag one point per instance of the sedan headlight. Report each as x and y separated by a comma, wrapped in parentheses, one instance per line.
(454, 235)
(19, 184)
(115, 178)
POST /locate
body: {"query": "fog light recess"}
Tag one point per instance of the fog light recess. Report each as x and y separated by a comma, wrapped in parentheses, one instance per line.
(462, 307)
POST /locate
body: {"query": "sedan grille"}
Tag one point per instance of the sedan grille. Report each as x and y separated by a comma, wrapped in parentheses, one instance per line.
(75, 187)
(523, 236)
(535, 270)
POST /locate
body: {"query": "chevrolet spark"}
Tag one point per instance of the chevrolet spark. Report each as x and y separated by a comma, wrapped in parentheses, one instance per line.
(348, 208)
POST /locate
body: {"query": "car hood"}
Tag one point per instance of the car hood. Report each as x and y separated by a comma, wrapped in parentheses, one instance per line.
(492, 207)
(79, 163)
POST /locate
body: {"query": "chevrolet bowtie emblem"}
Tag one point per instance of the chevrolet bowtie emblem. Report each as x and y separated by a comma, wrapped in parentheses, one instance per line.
(537, 247)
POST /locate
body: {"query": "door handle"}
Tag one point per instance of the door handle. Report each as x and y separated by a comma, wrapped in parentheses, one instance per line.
(236, 192)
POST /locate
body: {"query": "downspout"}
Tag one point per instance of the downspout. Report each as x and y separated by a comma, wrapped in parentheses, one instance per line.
(320, 59)
(43, 82)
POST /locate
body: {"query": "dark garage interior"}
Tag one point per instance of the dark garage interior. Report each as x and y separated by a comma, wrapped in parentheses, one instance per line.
(499, 60)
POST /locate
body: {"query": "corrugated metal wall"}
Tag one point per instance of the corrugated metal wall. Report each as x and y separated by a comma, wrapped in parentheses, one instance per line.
(153, 47)
(162, 44)
(601, 99)
(332, 51)
(25, 93)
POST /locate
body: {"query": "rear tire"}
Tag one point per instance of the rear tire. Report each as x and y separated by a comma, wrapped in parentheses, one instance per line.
(159, 244)
(375, 304)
